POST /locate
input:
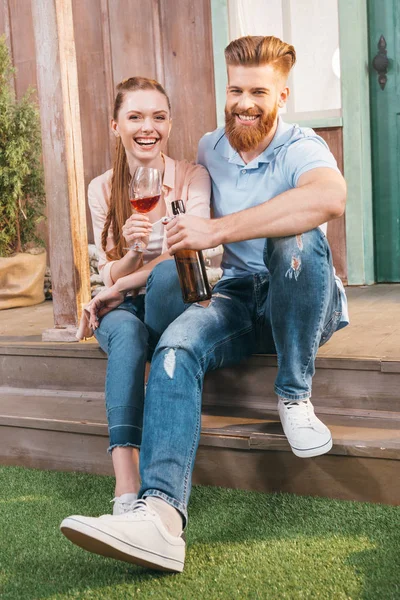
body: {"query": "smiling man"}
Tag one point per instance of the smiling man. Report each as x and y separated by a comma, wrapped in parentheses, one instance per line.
(274, 188)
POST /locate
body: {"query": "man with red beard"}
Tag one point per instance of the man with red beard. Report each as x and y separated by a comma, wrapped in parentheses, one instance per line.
(274, 188)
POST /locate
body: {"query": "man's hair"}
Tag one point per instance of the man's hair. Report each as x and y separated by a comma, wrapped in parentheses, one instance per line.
(256, 50)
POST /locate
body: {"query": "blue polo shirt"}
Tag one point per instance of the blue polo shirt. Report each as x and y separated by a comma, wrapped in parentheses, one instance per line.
(236, 186)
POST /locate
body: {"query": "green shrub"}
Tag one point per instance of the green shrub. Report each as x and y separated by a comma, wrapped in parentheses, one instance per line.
(22, 196)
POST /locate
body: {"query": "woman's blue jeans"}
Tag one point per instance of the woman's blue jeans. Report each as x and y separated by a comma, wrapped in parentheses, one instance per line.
(291, 311)
(129, 335)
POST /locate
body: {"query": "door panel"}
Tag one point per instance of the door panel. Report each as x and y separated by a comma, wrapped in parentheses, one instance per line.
(384, 19)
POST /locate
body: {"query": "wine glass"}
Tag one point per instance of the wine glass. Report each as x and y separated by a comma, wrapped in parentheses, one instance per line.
(144, 194)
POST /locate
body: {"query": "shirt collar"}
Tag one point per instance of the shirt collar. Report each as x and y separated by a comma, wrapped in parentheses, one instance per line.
(169, 172)
(282, 135)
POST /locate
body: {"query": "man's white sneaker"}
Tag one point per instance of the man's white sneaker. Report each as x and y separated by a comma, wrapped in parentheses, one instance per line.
(306, 434)
(123, 504)
(137, 536)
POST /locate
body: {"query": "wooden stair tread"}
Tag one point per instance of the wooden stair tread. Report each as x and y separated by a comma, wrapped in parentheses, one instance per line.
(84, 413)
(91, 349)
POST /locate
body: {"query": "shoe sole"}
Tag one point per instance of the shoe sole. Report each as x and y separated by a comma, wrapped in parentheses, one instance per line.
(311, 452)
(99, 542)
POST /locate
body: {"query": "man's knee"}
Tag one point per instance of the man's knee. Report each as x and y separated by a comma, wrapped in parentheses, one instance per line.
(182, 334)
(291, 252)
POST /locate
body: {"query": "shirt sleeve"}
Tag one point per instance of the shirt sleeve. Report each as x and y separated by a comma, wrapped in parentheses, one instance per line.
(308, 153)
(201, 154)
(199, 192)
(98, 211)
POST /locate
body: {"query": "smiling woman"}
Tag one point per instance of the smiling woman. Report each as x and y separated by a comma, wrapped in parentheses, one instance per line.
(144, 124)
(128, 327)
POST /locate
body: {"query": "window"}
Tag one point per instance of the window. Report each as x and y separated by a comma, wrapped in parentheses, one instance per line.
(312, 27)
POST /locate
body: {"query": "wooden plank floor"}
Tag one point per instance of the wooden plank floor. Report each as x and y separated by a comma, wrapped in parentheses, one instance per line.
(374, 331)
(377, 435)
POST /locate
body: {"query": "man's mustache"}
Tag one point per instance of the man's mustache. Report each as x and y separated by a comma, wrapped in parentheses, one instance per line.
(250, 112)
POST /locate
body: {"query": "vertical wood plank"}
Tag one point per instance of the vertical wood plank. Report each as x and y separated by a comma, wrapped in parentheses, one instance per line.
(108, 69)
(189, 73)
(5, 26)
(23, 45)
(132, 41)
(62, 158)
(158, 42)
(336, 228)
(74, 151)
(93, 97)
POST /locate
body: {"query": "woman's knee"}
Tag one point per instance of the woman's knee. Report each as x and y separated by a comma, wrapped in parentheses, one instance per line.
(121, 325)
(163, 278)
(163, 303)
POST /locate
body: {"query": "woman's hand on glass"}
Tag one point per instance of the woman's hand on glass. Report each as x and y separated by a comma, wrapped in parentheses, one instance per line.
(137, 229)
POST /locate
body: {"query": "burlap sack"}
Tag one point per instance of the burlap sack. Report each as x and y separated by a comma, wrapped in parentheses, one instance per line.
(22, 279)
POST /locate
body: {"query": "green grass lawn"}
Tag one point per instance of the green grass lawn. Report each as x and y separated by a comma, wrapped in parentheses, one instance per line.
(240, 545)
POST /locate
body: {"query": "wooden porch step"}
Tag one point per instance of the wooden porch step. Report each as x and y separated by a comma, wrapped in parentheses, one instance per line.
(340, 384)
(67, 431)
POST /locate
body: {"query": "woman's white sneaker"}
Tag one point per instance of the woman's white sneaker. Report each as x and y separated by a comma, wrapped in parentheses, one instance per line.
(306, 434)
(137, 536)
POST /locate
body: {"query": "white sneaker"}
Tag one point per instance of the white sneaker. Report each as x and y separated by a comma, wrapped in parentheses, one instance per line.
(137, 536)
(306, 434)
(123, 504)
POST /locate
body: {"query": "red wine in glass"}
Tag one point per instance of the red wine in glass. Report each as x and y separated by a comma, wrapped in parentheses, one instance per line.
(144, 205)
(144, 194)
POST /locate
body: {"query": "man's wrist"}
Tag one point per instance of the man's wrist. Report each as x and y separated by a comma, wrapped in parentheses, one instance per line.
(217, 231)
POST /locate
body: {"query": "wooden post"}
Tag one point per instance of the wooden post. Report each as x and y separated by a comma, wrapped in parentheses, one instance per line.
(63, 164)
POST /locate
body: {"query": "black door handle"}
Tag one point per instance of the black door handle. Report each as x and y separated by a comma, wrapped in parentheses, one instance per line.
(381, 62)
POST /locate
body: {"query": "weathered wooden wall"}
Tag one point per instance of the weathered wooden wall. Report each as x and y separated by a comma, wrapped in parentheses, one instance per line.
(169, 40)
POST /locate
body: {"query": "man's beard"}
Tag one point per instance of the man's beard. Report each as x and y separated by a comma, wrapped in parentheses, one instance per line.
(247, 137)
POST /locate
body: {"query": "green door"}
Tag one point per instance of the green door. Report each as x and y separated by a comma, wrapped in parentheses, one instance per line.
(384, 20)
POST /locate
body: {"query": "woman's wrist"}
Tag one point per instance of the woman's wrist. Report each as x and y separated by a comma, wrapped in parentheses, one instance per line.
(124, 284)
(135, 256)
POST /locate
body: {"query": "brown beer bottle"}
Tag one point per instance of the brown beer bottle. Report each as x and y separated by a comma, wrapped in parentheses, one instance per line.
(191, 269)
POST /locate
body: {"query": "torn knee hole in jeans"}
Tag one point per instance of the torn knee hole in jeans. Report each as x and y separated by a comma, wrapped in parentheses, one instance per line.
(170, 363)
(295, 268)
(206, 303)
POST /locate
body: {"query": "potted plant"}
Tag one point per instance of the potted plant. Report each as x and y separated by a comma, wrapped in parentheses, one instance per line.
(22, 199)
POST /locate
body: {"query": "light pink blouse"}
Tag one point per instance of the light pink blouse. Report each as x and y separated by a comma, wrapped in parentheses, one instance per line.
(182, 180)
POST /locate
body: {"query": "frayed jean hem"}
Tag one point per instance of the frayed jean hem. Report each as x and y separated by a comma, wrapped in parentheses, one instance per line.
(128, 444)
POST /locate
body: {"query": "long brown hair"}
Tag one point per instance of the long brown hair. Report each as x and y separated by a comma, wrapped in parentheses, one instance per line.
(119, 208)
(255, 50)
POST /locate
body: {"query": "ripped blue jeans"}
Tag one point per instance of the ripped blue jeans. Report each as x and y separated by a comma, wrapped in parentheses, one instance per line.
(292, 309)
(128, 335)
